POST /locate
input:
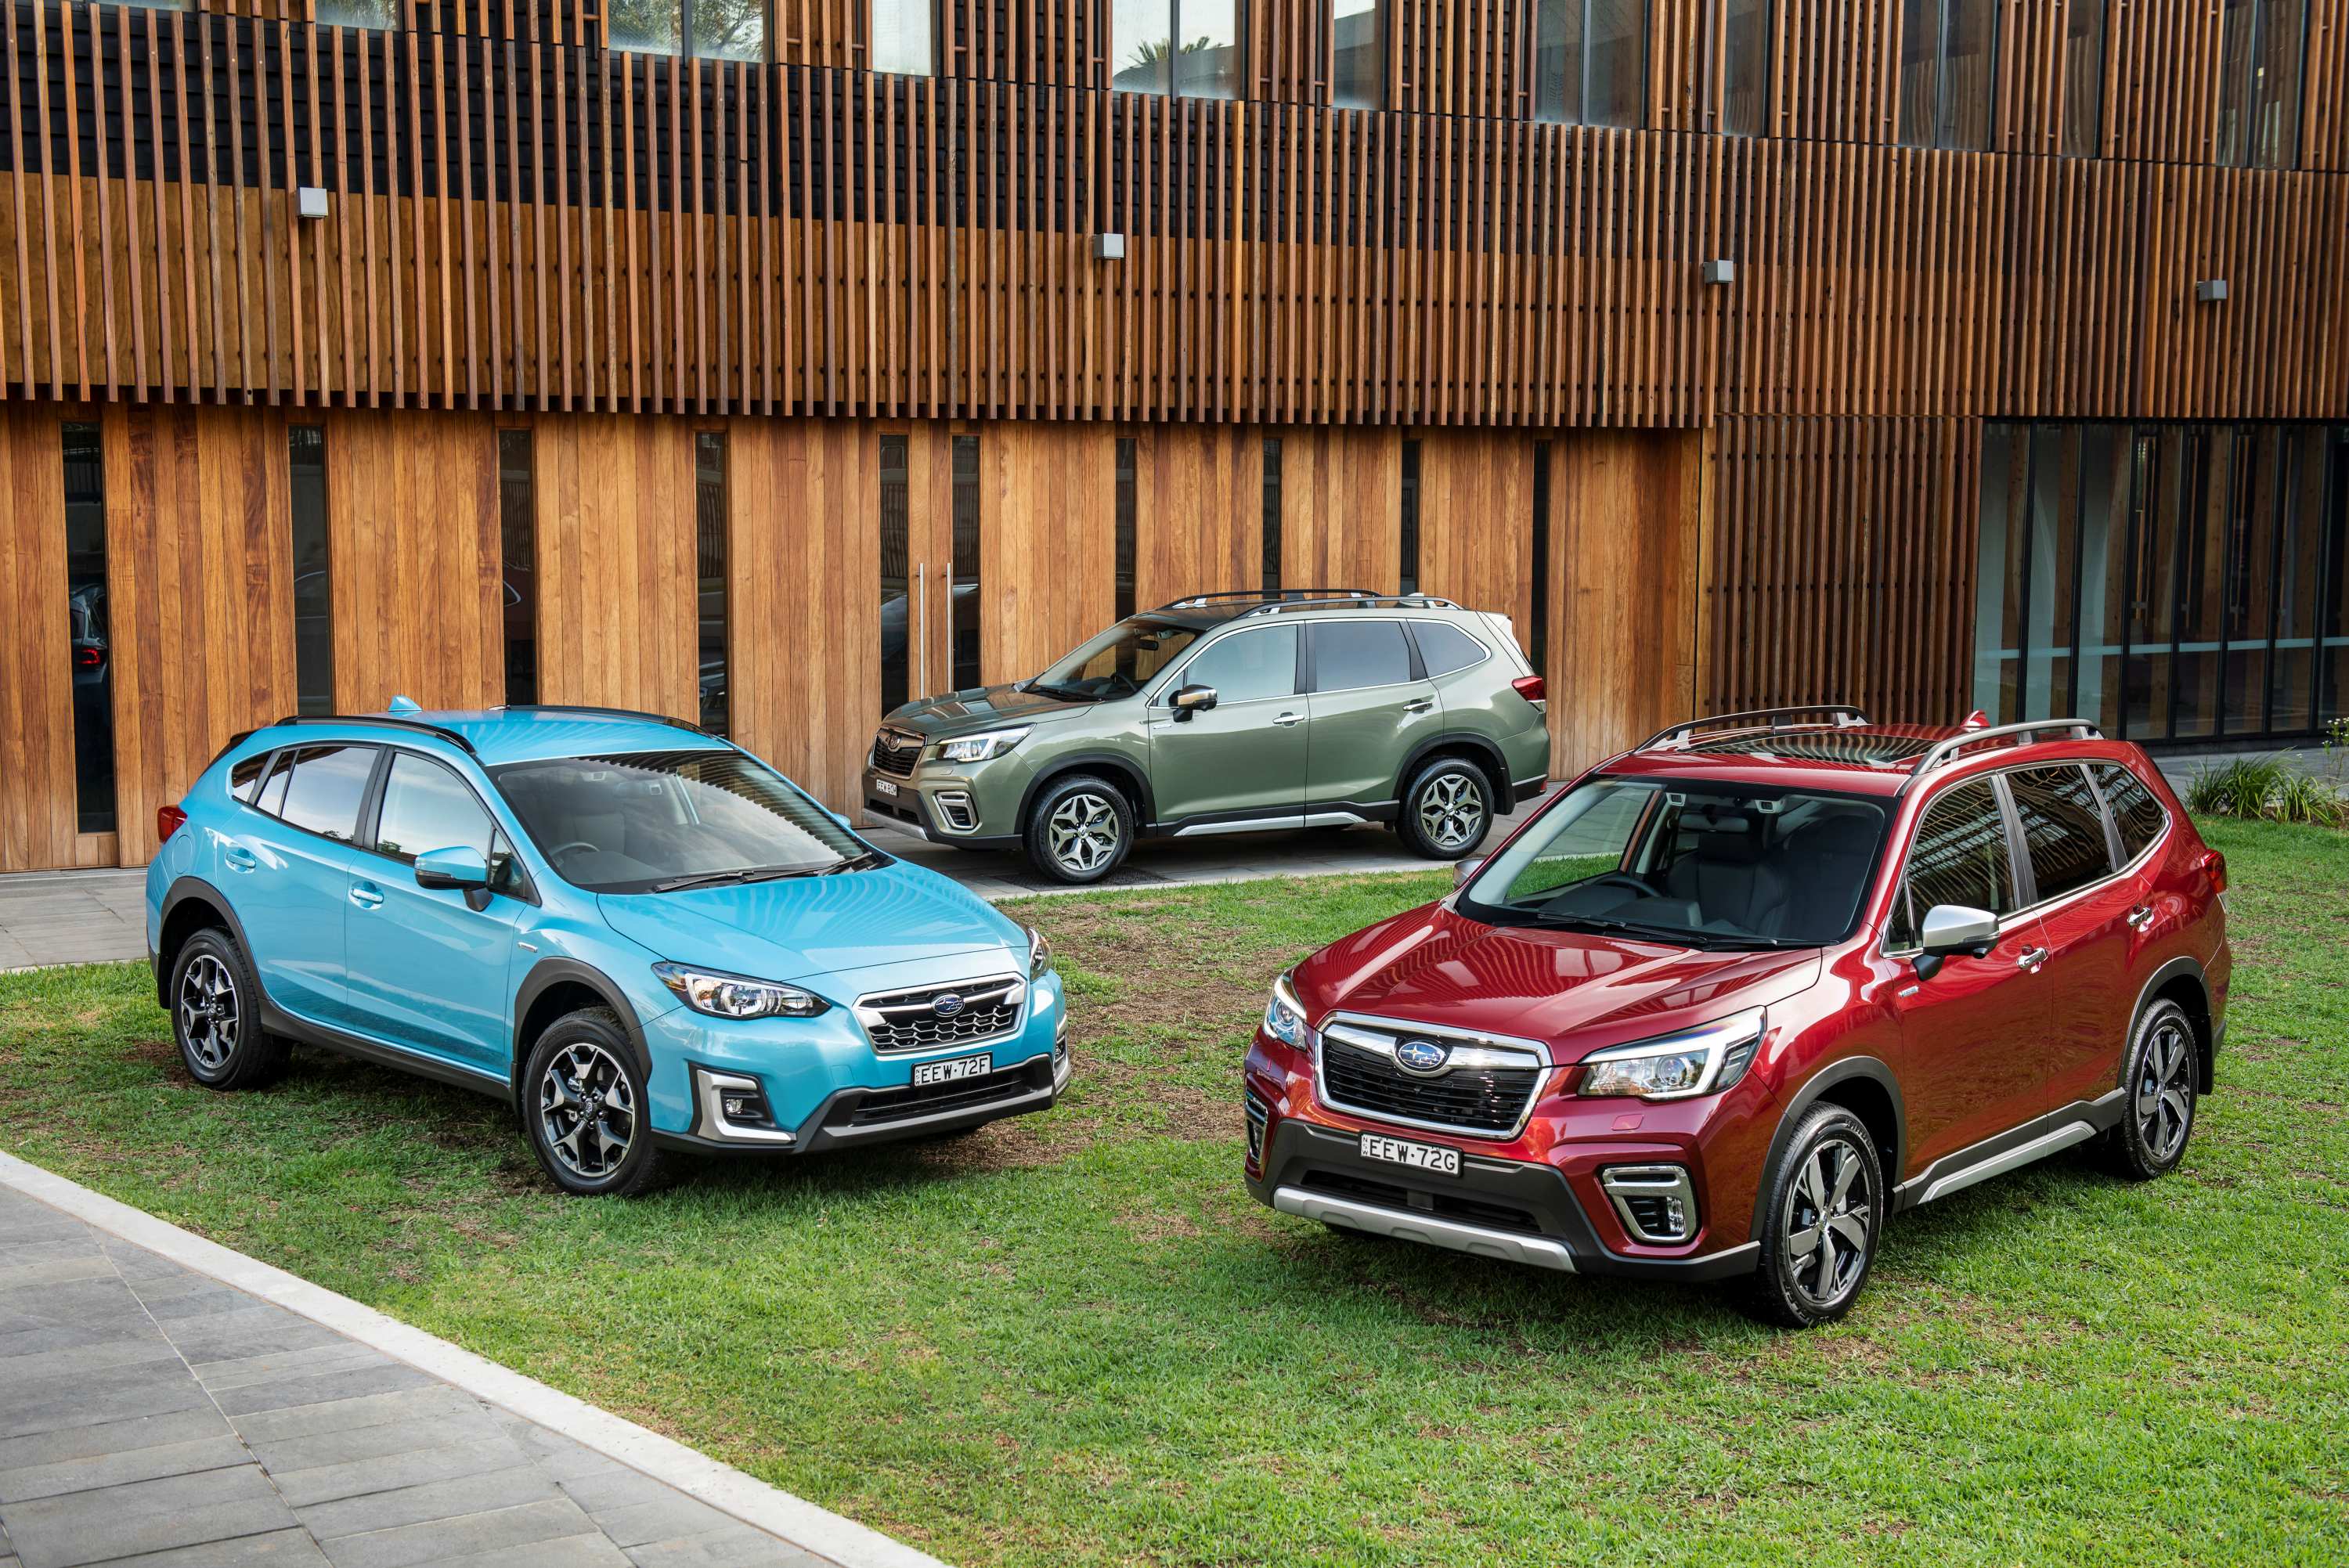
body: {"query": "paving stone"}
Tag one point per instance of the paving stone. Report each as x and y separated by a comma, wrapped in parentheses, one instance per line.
(512, 1487)
(617, 1487)
(105, 1469)
(289, 1457)
(146, 1516)
(114, 1437)
(336, 1356)
(737, 1546)
(592, 1551)
(559, 1456)
(82, 1360)
(384, 1377)
(277, 1549)
(44, 1404)
(659, 1519)
(259, 1427)
(251, 1331)
(386, 1472)
(471, 1535)
(100, 1298)
(33, 1275)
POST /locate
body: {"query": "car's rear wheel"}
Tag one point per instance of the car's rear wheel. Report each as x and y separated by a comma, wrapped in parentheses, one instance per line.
(585, 1108)
(1079, 830)
(1447, 809)
(216, 1014)
(1822, 1214)
(2163, 1073)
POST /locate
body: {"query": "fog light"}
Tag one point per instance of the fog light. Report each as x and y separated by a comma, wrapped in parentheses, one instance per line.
(1656, 1203)
(734, 1106)
(1256, 1117)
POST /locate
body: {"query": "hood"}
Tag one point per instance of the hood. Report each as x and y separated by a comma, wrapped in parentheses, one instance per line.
(1577, 991)
(801, 927)
(980, 708)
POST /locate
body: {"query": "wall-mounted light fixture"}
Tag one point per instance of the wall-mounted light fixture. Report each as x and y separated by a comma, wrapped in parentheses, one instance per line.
(310, 202)
(1109, 247)
(1721, 270)
(2211, 290)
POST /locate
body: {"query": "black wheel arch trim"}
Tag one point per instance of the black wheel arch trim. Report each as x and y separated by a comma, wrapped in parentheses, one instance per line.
(550, 972)
(1496, 766)
(1145, 810)
(180, 891)
(2207, 1025)
(1816, 1088)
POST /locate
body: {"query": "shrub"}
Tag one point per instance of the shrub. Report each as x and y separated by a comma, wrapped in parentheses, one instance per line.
(2264, 787)
(2305, 797)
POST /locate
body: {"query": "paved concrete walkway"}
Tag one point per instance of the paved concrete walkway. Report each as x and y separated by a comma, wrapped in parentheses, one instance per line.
(151, 1413)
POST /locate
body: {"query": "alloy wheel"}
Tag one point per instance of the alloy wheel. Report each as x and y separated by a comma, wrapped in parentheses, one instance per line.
(588, 1110)
(1452, 811)
(2165, 1091)
(1084, 834)
(209, 1014)
(1830, 1212)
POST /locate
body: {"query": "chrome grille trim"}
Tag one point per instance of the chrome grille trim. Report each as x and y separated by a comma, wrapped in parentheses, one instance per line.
(902, 1021)
(1471, 1053)
(895, 751)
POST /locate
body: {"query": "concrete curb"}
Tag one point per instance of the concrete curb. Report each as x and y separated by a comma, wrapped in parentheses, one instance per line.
(755, 1503)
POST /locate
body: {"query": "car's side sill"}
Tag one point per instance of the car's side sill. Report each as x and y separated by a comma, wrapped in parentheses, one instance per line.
(2060, 1129)
(304, 1032)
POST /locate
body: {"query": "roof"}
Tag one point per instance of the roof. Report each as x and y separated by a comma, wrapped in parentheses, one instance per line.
(1856, 757)
(500, 735)
(1206, 610)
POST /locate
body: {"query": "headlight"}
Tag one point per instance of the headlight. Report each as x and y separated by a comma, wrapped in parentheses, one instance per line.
(1284, 1017)
(735, 997)
(980, 747)
(1703, 1060)
(1040, 954)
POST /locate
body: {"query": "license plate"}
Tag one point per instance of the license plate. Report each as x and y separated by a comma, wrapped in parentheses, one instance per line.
(1418, 1156)
(966, 1068)
(883, 786)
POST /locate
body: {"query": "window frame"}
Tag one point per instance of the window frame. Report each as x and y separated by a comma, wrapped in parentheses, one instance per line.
(686, 51)
(1177, 677)
(872, 16)
(1411, 629)
(1172, 64)
(2021, 839)
(290, 757)
(1934, 140)
(372, 820)
(2015, 868)
(1309, 684)
(1581, 115)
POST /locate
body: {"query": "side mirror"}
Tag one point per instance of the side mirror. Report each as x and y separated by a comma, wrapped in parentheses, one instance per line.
(1192, 700)
(1951, 929)
(460, 868)
(1464, 870)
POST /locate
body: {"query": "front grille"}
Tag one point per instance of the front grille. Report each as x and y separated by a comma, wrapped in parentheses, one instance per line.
(1474, 1100)
(885, 1105)
(893, 751)
(1460, 1206)
(910, 1020)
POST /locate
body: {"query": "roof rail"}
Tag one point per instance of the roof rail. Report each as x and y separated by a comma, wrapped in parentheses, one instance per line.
(1199, 601)
(1353, 602)
(1944, 751)
(1843, 717)
(669, 719)
(439, 731)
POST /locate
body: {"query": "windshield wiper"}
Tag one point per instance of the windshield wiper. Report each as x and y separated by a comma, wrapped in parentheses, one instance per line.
(1676, 935)
(732, 874)
(1066, 694)
(865, 861)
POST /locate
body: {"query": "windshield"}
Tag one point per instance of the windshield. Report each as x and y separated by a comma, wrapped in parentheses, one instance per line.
(1118, 663)
(1695, 864)
(653, 822)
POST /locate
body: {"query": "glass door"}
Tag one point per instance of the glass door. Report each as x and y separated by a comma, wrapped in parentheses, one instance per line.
(929, 567)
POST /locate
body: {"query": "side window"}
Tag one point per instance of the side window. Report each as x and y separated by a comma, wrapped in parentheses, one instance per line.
(1959, 856)
(425, 807)
(1443, 648)
(244, 778)
(2135, 812)
(271, 798)
(324, 786)
(1350, 654)
(1248, 666)
(2063, 828)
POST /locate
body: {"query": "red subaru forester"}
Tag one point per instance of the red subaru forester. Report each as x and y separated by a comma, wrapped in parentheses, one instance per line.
(1734, 997)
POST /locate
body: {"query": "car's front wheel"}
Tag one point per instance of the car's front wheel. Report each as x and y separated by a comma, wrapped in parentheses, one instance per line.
(1822, 1214)
(1079, 830)
(2163, 1073)
(585, 1108)
(216, 1014)
(1447, 809)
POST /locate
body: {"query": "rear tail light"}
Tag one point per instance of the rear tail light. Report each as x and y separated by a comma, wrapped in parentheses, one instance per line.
(2216, 864)
(89, 658)
(1533, 688)
(167, 821)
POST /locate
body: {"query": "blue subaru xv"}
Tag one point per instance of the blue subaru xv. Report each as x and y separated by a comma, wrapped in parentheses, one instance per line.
(638, 934)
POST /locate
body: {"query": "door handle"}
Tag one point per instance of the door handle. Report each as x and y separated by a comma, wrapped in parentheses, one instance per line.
(240, 859)
(2140, 917)
(2030, 958)
(1419, 705)
(1285, 720)
(366, 895)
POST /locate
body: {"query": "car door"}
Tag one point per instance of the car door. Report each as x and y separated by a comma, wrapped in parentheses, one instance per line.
(429, 970)
(2084, 911)
(1371, 704)
(1242, 760)
(1974, 1030)
(287, 872)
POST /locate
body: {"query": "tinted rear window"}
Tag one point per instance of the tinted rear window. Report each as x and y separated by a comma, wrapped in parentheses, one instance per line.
(244, 778)
(2063, 828)
(322, 790)
(2135, 812)
(1348, 655)
(1443, 648)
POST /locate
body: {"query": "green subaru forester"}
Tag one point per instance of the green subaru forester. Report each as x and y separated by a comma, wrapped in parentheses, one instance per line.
(1229, 713)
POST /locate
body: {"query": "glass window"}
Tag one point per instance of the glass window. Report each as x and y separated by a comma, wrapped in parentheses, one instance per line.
(2332, 600)
(710, 570)
(2084, 78)
(379, 14)
(2063, 828)
(1746, 45)
(1358, 48)
(1190, 47)
(1119, 662)
(1537, 644)
(323, 789)
(1268, 518)
(902, 37)
(1958, 857)
(1558, 59)
(966, 564)
(2195, 703)
(1948, 52)
(518, 557)
(714, 30)
(1351, 655)
(1445, 647)
(1123, 591)
(1248, 666)
(1590, 61)
(657, 821)
(91, 651)
(272, 798)
(896, 578)
(2261, 64)
(313, 622)
(2138, 815)
(244, 778)
(425, 807)
(2300, 524)
(1408, 567)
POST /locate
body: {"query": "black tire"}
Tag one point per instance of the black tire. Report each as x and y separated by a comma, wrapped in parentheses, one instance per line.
(583, 1091)
(1090, 822)
(216, 1014)
(2160, 1078)
(1798, 1288)
(1447, 809)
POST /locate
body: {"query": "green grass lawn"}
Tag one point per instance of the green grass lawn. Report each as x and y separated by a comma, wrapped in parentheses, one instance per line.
(1073, 1339)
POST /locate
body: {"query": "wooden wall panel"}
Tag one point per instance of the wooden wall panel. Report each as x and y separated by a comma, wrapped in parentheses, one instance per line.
(617, 618)
(1198, 510)
(1340, 509)
(36, 806)
(416, 560)
(1840, 565)
(200, 576)
(1048, 567)
(1475, 520)
(1624, 544)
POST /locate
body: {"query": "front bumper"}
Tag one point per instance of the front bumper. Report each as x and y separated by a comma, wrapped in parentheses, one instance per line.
(948, 810)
